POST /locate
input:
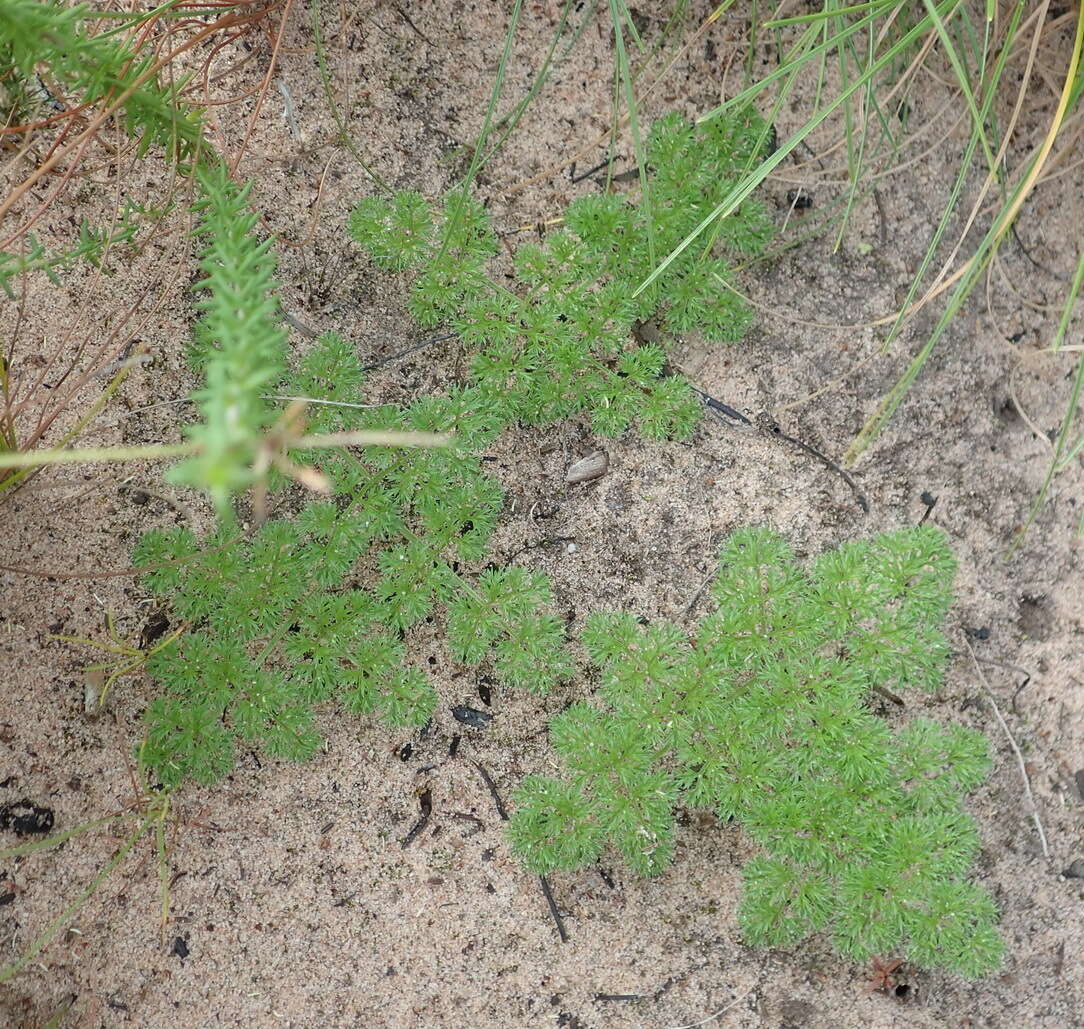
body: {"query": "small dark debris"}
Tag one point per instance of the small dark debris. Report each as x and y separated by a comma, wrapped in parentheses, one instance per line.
(476, 824)
(640, 20)
(771, 144)
(799, 199)
(796, 1013)
(489, 853)
(492, 787)
(453, 747)
(606, 877)
(982, 633)
(26, 819)
(618, 996)
(7, 898)
(1075, 870)
(554, 910)
(471, 716)
(154, 629)
(405, 751)
(8, 782)
(116, 1005)
(1078, 778)
(569, 1021)
(931, 502)
(486, 693)
(425, 802)
(180, 947)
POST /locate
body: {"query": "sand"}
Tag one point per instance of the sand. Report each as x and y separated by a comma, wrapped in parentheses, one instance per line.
(294, 901)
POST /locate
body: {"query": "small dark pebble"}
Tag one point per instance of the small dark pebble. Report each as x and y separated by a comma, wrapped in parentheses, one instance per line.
(489, 853)
(453, 747)
(471, 716)
(978, 633)
(486, 694)
(1075, 870)
(7, 898)
(405, 751)
(26, 819)
(180, 948)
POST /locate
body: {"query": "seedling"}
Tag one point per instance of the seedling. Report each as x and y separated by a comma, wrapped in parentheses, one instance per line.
(128, 659)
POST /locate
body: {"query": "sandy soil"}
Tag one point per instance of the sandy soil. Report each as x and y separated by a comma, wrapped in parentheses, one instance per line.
(294, 901)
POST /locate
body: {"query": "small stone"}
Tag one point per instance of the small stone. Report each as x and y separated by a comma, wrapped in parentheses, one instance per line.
(570, 549)
(1075, 870)
(591, 467)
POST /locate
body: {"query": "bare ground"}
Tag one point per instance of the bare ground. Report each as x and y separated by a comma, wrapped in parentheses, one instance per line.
(294, 899)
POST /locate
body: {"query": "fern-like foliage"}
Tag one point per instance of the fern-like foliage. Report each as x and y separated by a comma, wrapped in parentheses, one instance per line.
(560, 341)
(762, 715)
(101, 68)
(240, 341)
(278, 624)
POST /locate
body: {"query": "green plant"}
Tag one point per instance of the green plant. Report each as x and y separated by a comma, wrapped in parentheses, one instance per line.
(241, 338)
(560, 340)
(279, 624)
(101, 69)
(762, 715)
(862, 61)
(65, 72)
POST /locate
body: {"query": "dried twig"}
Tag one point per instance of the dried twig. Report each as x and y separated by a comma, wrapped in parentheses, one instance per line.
(1015, 749)
(711, 1018)
(492, 787)
(548, 894)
